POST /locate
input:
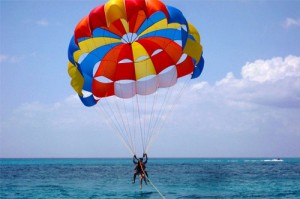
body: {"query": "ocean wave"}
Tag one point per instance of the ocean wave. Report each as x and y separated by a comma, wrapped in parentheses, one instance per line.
(273, 160)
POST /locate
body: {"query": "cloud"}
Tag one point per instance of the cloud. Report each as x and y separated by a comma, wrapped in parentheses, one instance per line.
(46, 23)
(9, 59)
(3, 58)
(42, 22)
(62, 129)
(272, 70)
(60, 116)
(290, 22)
(255, 114)
(14, 59)
(273, 82)
(263, 103)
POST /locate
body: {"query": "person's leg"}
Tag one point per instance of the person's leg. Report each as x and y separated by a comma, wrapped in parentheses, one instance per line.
(134, 177)
(141, 180)
(147, 175)
(145, 180)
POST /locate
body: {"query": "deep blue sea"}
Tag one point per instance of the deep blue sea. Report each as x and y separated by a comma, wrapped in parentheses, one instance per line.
(174, 178)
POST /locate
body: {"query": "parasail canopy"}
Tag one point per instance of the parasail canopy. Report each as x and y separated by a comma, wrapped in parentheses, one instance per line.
(126, 55)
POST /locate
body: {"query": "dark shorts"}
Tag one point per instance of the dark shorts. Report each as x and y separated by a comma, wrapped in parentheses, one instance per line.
(139, 171)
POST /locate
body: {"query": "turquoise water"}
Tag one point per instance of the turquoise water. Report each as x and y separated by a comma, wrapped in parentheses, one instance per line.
(175, 178)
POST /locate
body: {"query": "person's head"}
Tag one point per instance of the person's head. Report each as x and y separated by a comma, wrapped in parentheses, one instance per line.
(141, 159)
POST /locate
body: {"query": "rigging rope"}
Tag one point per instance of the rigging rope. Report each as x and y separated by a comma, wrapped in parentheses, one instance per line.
(145, 176)
(176, 94)
(115, 127)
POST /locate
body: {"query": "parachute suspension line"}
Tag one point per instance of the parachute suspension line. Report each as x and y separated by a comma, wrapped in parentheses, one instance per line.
(113, 126)
(114, 119)
(129, 133)
(122, 128)
(133, 122)
(154, 120)
(142, 108)
(162, 112)
(160, 116)
(159, 106)
(172, 90)
(123, 122)
(177, 98)
(145, 120)
(128, 124)
(140, 120)
(145, 176)
(120, 121)
(151, 118)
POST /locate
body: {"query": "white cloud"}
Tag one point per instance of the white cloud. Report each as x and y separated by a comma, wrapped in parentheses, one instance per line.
(3, 58)
(289, 22)
(62, 129)
(60, 116)
(14, 59)
(255, 115)
(274, 82)
(272, 70)
(42, 22)
(45, 23)
(39, 22)
(9, 59)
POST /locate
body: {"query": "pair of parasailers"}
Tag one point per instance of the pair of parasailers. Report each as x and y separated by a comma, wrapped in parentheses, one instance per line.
(140, 168)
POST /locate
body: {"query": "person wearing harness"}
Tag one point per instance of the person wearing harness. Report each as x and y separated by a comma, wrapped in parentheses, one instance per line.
(140, 168)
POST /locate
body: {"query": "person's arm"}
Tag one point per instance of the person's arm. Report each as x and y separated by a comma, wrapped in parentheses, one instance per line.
(145, 157)
(134, 159)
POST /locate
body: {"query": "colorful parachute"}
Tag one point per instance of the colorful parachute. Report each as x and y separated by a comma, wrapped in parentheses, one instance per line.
(128, 51)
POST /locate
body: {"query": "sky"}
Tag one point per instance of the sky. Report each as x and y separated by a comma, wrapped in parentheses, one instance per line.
(246, 103)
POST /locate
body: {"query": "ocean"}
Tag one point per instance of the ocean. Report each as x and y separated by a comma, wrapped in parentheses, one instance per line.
(173, 178)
